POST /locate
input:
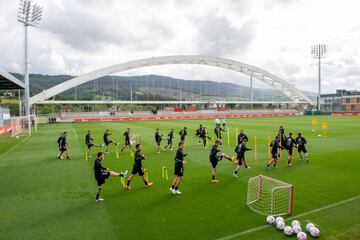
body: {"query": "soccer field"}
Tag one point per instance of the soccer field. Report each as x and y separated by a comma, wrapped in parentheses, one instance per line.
(42, 197)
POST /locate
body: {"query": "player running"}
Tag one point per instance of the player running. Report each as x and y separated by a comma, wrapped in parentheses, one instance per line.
(218, 134)
(301, 147)
(215, 156)
(242, 136)
(170, 139)
(183, 134)
(138, 168)
(275, 146)
(198, 133)
(64, 146)
(127, 139)
(102, 173)
(240, 156)
(89, 143)
(289, 145)
(158, 138)
(59, 141)
(179, 168)
(108, 141)
(204, 136)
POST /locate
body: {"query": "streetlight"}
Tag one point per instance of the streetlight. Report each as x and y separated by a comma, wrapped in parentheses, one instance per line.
(319, 51)
(30, 15)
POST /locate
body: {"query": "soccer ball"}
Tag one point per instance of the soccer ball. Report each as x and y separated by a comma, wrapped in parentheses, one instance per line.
(309, 226)
(270, 219)
(17, 136)
(315, 232)
(288, 231)
(219, 155)
(279, 219)
(301, 236)
(297, 229)
(280, 225)
(295, 222)
(132, 142)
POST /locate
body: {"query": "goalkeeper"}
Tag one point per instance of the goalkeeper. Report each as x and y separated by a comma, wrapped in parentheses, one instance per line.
(215, 156)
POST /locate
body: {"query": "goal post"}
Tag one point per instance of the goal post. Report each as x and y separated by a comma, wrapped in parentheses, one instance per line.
(20, 124)
(269, 196)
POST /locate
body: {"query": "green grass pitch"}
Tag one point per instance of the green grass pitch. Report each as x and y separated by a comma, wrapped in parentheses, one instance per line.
(42, 197)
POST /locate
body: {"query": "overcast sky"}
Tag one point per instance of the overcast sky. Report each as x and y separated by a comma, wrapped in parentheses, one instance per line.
(78, 36)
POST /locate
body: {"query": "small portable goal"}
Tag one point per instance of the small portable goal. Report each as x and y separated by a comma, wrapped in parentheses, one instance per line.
(269, 196)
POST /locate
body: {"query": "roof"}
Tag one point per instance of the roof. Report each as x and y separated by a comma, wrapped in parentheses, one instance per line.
(8, 81)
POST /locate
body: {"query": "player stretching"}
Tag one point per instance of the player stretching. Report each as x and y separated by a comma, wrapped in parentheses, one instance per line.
(240, 152)
(107, 141)
(198, 133)
(301, 147)
(275, 146)
(138, 168)
(158, 138)
(127, 139)
(242, 136)
(215, 156)
(204, 136)
(89, 143)
(179, 168)
(64, 147)
(183, 134)
(102, 173)
(289, 145)
(170, 138)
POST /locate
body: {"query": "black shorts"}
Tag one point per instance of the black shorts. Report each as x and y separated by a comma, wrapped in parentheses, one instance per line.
(90, 145)
(182, 139)
(302, 149)
(179, 169)
(101, 179)
(274, 155)
(214, 163)
(170, 142)
(138, 169)
(158, 143)
(240, 160)
(290, 151)
(108, 142)
(63, 149)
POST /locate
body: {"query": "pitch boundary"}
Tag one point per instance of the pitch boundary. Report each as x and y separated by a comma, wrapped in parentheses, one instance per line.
(290, 218)
(13, 147)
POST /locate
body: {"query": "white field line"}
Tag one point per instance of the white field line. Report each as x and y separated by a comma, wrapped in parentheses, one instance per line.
(291, 218)
(13, 147)
(76, 135)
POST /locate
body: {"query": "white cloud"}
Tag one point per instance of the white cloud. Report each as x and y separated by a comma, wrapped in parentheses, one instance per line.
(78, 36)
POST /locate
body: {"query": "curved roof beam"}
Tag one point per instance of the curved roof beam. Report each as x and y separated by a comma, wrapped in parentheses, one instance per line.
(260, 74)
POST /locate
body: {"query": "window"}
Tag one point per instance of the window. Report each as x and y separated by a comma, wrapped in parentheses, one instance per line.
(358, 100)
(347, 100)
(353, 108)
(343, 108)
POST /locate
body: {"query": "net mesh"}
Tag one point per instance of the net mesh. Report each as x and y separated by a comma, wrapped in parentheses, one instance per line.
(268, 196)
(20, 124)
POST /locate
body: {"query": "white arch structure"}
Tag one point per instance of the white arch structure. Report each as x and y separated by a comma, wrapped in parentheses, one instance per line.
(286, 88)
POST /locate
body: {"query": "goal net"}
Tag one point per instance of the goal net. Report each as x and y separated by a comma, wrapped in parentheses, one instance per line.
(268, 196)
(20, 124)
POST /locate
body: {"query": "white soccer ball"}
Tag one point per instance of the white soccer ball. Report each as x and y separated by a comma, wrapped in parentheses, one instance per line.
(132, 142)
(288, 231)
(270, 219)
(279, 219)
(297, 229)
(280, 225)
(315, 232)
(295, 222)
(301, 236)
(17, 136)
(309, 226)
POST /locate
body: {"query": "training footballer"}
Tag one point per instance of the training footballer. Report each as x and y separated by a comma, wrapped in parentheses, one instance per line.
(289, 145)
(301, 141)
(275, 146)
(102, 173)
(183, 134)
(215, 156)
(179, 168)
(89, 143)
(242, 136)
(198, 133)
(240, 156)
(59, 141)
(218, 134)
(64, 146)
(127, 139)
(108, 141)
(138, 168)
(204, 136)
(170, 139)
(158, 138)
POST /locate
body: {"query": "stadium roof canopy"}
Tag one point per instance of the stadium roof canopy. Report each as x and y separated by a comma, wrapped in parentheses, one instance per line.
(8, 81)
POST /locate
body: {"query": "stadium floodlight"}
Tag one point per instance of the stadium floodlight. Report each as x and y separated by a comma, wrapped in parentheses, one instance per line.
(30, 15)
(319, 51)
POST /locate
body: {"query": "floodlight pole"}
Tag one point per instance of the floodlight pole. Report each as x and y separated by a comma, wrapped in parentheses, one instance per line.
(27, 85)
(319, 51)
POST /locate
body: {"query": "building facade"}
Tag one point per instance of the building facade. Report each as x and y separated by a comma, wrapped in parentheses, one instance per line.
(341, 101)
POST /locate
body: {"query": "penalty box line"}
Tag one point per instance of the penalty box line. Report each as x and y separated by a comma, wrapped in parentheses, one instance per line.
(290, 218)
